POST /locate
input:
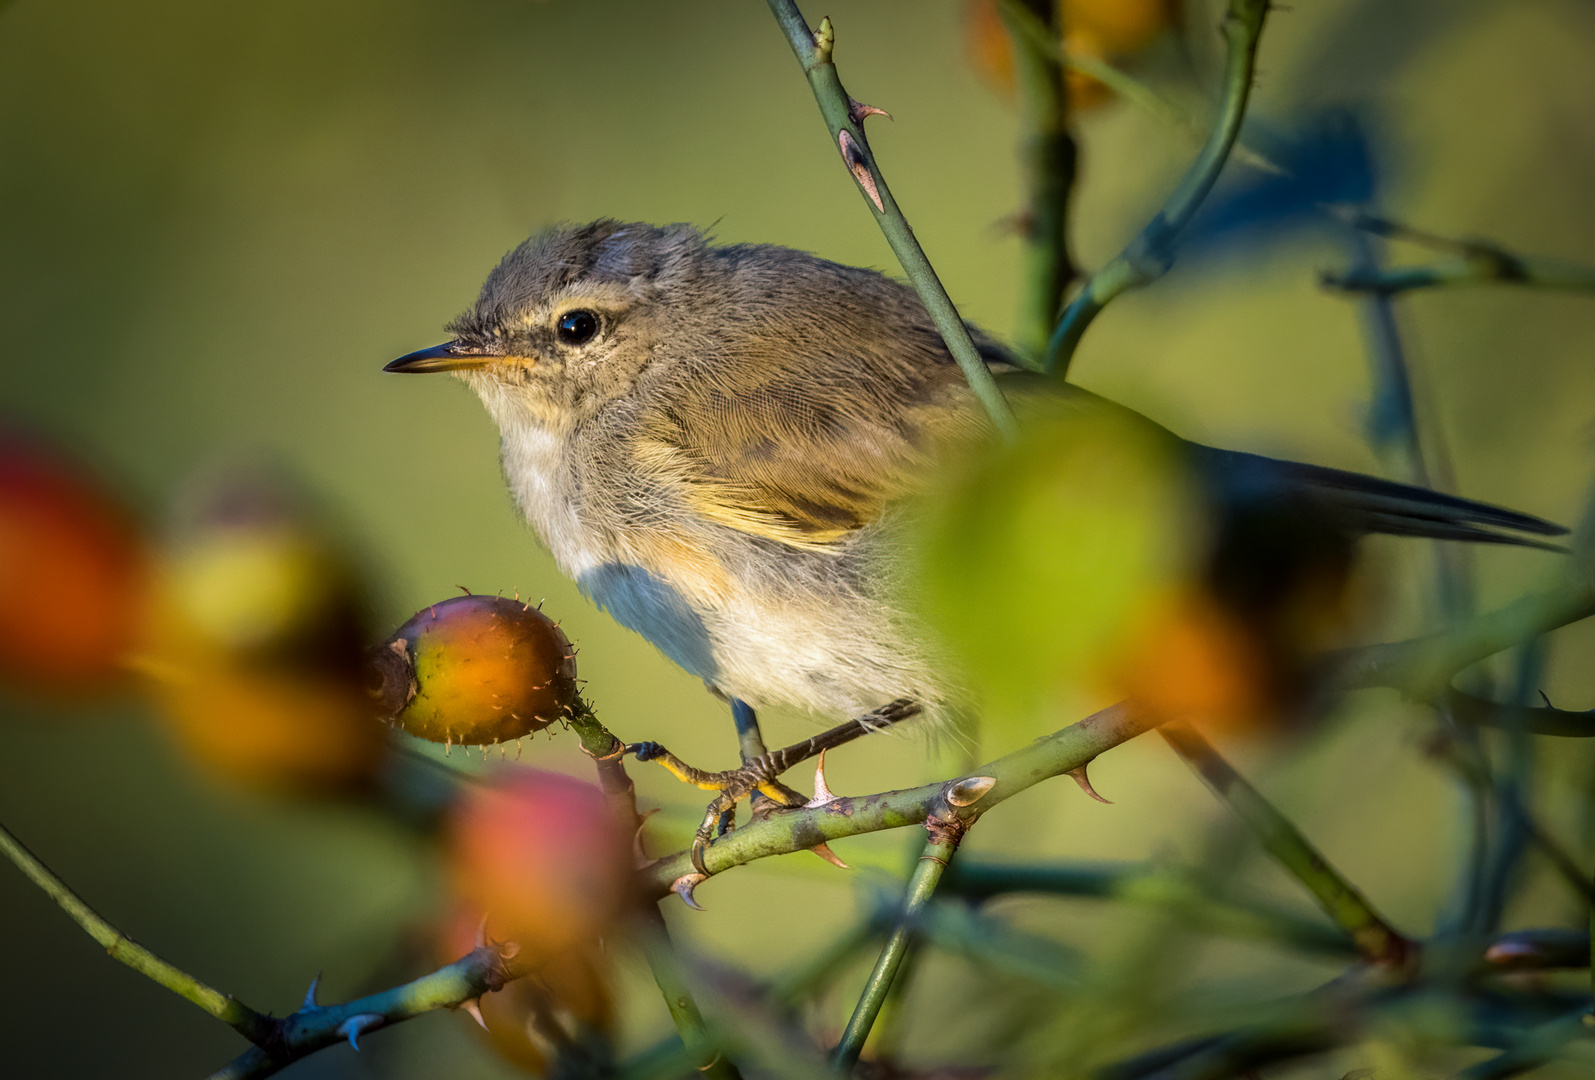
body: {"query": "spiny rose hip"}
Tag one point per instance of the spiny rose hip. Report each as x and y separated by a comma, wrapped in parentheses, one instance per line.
(475, 670)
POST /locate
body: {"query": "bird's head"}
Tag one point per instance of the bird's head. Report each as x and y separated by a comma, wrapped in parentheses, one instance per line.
(568, 321)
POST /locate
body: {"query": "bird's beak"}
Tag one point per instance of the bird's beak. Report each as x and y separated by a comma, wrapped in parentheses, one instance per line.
(449, 356)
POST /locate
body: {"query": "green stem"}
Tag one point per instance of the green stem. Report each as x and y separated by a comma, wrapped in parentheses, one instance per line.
(1422, 668)
(802, 983)
(315, 1027)
(608, 753)
(1533, 272)
(798, 830)
(244, 1020)
(1392, 430)
(1477, 262)
(1149, 256)
(846, 125)
(1049, 156)
(702, 1050)
(939, 849)
(1540, 1046)
(1376, 941)
(1147, 885)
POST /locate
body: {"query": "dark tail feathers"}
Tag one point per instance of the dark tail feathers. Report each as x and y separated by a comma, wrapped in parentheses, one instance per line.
(1368, 504)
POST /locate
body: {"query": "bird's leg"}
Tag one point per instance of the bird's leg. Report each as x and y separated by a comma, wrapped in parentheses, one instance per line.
(750, 740)
(760, 774)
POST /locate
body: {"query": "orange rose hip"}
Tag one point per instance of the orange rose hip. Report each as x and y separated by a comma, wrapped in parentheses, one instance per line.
(475, 670)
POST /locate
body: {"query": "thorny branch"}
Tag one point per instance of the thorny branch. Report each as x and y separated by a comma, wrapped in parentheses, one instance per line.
(845, 119)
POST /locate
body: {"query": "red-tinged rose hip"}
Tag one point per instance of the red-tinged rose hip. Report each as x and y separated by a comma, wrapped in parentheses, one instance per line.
(72, 574)
(475, 670)
(540, 854)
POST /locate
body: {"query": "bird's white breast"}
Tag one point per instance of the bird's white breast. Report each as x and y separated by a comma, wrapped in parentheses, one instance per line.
(537, 466)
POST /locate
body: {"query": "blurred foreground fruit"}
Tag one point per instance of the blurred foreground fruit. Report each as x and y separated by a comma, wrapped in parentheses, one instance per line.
(72, 574)
(541, 855)
(476, 670)
(569, 991)
(1106, 30)
(1092, 559)
(1041, 561)
(256, 639)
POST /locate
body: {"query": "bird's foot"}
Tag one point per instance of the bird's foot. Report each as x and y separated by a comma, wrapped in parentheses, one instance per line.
(730, 786)
(761, 774)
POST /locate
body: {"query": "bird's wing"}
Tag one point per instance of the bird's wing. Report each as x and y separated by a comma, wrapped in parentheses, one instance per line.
(804, 461)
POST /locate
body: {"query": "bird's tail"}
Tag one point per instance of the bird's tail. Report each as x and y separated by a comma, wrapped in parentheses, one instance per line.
(1367, 504)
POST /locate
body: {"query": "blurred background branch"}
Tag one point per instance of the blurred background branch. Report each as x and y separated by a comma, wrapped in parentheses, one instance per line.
(1149, 256)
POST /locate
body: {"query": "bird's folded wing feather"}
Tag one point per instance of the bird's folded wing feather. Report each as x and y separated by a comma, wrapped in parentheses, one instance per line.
(791, 459)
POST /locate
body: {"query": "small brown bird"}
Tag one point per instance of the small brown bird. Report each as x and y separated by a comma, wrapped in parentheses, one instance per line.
(713, 441)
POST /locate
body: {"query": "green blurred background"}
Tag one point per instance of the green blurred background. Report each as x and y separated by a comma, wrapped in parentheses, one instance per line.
(217, 222)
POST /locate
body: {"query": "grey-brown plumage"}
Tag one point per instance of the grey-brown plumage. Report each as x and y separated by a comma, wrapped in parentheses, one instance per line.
(712, 442)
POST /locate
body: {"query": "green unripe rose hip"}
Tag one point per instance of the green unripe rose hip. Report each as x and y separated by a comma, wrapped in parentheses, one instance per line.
(475, 670)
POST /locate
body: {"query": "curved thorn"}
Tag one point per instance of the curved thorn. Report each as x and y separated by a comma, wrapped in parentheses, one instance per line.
(481, 932)
(1079, 776)
(310, 994)
(683, 887)
(637, 851)
(822, 792)
(474, 1007)
(357, 1025)
(860, 111)
(824, 851)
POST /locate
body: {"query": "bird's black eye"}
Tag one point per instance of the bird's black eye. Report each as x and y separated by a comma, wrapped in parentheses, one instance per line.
(577, 327)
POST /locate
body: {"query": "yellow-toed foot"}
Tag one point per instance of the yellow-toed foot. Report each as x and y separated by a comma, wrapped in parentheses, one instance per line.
(762, 773)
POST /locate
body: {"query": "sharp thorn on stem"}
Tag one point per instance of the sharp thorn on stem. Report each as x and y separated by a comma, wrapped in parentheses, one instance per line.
(637, 851)
(1546, 699)
(310, 994)
(481, 932)
(860, 111)
(683, 887)
(822, 792)
(474, 1007)
(858, 164)
(1079, 776)
(357, 1025)
(824, 851)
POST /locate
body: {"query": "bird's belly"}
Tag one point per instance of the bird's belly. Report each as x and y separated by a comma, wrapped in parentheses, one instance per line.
(650, 605)
(835, 655)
